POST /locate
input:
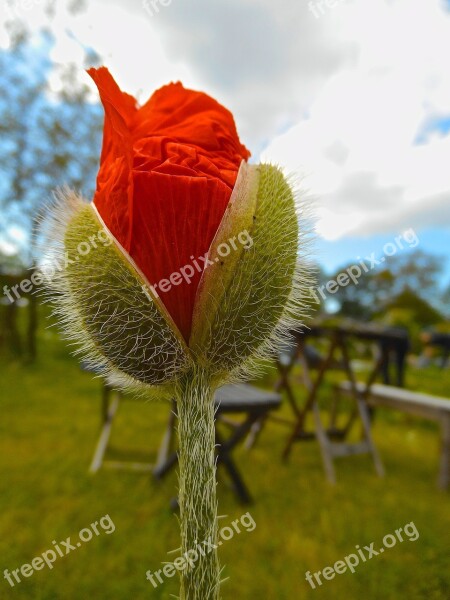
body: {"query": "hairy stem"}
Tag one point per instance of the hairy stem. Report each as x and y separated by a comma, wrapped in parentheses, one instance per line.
(197, 493)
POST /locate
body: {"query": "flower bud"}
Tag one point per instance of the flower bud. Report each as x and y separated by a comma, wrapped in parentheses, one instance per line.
(187, 256)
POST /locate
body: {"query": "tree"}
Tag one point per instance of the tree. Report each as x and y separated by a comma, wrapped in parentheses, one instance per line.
(46, 139)
(407, 282)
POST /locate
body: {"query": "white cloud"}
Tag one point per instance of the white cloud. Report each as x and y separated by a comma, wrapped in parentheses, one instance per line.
(8, 249)
(266, 60)
(351, 90)
(358, 144)
(129, 43)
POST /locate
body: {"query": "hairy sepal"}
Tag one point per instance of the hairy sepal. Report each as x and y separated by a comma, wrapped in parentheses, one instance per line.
(239, 217)
(106, 307)
(249, 310)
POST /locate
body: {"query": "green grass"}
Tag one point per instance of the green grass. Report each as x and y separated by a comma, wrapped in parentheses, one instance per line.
(48, 429)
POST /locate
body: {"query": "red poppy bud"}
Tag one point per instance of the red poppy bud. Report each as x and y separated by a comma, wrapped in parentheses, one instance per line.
(203, 266)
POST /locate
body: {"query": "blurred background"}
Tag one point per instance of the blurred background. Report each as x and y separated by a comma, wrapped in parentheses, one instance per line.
(353, 98)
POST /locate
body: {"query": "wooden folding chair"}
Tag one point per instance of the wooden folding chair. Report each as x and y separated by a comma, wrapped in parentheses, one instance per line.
(110, 404)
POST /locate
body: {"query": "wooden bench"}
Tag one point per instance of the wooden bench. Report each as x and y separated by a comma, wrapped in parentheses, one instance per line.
(420, 405)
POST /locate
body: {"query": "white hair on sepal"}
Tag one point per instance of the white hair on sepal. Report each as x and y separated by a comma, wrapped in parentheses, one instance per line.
(71, 307)
(298, 309)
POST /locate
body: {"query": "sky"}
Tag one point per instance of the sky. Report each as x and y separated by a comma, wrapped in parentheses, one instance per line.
(353, 99)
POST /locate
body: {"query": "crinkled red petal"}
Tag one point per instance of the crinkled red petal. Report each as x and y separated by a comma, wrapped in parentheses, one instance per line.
(166, 175)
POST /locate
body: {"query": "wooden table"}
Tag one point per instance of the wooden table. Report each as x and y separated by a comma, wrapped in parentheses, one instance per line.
(252, 402)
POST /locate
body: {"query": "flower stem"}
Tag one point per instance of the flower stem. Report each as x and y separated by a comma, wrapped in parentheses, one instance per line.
(200, 580)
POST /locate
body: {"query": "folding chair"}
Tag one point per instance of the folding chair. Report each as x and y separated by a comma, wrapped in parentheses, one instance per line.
(110, 404)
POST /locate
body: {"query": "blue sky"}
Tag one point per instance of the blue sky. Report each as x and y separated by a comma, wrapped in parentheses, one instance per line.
(355, 102)
(435, 240)
(335, 254)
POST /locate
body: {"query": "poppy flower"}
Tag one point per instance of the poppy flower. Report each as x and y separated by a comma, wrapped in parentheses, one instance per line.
(167, 172)
(174, 185)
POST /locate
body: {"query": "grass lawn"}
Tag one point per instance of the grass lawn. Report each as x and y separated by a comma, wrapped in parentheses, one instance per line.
(48, 429)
